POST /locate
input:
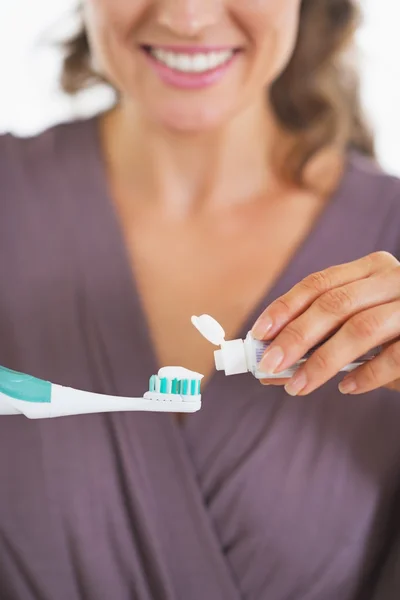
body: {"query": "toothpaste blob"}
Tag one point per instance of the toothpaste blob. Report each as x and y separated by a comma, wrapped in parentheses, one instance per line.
(179, 373)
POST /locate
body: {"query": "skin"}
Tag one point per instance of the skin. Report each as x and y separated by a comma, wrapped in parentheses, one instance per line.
(360, 301)
(264, 29)
(190, 175)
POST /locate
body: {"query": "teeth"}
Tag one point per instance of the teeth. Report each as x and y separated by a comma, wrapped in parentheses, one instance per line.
(192, 63)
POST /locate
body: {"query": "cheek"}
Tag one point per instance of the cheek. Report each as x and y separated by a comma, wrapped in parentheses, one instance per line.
(273, 27)
(110, 25)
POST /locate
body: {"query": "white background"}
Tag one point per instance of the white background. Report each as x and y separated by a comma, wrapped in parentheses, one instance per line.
(29, 63)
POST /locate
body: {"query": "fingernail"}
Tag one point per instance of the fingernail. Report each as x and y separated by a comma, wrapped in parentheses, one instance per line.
(348, 386)
(297, 384)
(261, 328)
(263, 382)
(272, 359)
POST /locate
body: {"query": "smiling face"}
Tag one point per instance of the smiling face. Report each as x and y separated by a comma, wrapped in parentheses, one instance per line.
(191, 65)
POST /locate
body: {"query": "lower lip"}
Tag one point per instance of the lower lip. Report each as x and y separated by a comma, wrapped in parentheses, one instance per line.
(189, 81)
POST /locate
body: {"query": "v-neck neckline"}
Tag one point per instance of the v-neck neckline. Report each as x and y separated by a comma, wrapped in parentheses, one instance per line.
(304, 257)
(121, 329)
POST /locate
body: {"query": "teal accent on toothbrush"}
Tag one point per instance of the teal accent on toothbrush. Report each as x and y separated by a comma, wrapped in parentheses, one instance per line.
(24, 387)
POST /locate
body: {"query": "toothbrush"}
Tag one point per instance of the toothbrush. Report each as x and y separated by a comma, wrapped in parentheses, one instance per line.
(174, 389)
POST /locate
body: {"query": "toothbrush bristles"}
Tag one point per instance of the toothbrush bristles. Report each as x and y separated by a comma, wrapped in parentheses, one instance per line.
(183, 387)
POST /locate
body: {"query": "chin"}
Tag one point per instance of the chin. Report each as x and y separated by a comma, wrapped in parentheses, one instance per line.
(190, 118)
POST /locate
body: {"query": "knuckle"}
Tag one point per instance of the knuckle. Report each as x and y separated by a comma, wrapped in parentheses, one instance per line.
(382, 258)
(319, 281)
(364, 325)
(337, 301)
(320, 360)
(393, 355)
(370, 374)
(282, 306)
(295, 335)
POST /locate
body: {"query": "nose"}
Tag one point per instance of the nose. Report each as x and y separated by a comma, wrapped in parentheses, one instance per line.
(188, 18)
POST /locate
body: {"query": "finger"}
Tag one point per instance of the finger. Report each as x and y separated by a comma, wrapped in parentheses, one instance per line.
(326, 315)
(364, 331)
(302, 295)
(381, 371)
(277, 382)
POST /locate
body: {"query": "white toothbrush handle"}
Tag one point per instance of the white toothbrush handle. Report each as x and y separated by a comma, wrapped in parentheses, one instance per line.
(67, 401)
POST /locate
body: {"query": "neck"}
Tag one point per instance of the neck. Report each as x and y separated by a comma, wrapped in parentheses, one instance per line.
(190, 172)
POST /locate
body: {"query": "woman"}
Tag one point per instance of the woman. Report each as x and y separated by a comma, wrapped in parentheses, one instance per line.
(235, 164)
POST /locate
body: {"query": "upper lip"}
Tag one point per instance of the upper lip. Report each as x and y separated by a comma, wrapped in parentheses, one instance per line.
(190, 49)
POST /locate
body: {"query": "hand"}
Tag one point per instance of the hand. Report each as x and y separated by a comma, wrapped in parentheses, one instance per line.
(358, 305)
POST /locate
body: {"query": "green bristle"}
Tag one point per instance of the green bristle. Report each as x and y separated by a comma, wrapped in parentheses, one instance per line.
(175, 386)
(185, 387)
